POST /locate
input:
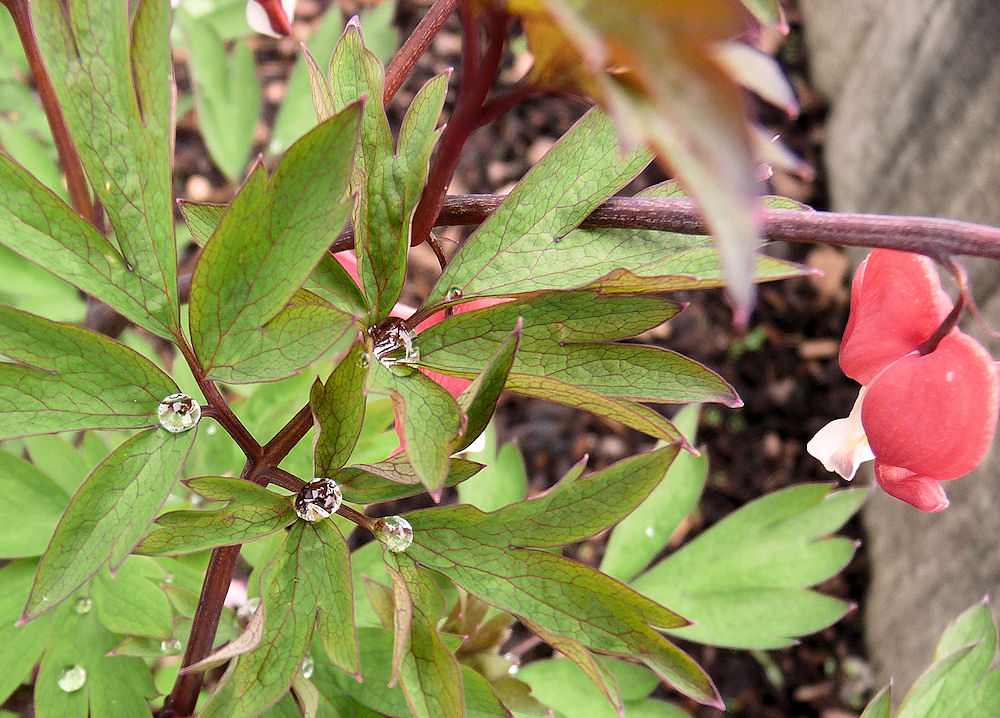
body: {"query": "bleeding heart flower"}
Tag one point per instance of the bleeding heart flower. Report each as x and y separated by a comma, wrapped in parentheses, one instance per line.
(926, 412)
(271, 17)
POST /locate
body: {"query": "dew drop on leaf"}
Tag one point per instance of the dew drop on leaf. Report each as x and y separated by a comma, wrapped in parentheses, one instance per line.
(171, 647)
(168, 578)
(650, 531)
(453, 294)
(83, 605)
(178, 412)
(318, 499)
(395, 344)
(363, 360)
(395, 532)
(308, 665)
(71, 678)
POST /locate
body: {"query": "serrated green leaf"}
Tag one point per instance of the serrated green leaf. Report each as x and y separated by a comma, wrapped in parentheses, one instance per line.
(725, 578)
(960, 681)
(132, 602)
(641, 535)
(226, 93)
(30, 510)
(252, 512)
(429, 416)
(243, 282)
(121, 124)
(395, 478)
(389, 181)
(40, 227)
(306, 586)
(114, 686)
(480, 553)
(108, 515)
(338, 409)
(23, 645)
(578, 508)
(69, 378)
(583, 169)
(427, 670)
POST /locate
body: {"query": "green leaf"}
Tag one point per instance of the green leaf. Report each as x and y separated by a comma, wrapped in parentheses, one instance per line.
(728, 579)
(395, 478)
(251, 512)
(115, 686)
(614, 260)
(108, 515)
(109, 74)
(307, 585)
(583, 169)
(429, 416)
(641, 535)
(880, 706)
(960, 682)
(563, 598)
(226, 93)
(40, 227)
(23, 645)
(338, 409)
(59, 460)
(201, 218)
(388, 182)
(502, 481)
(30, 510)
(376, 693)
(428, 671)
(296, 115)
(69, 378)
(32, 289)
(478, 401)
(269, 240)
(132, 601)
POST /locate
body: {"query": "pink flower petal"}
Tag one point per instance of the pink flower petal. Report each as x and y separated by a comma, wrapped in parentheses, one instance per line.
(922, 492)
(934, 415)
(896, 304)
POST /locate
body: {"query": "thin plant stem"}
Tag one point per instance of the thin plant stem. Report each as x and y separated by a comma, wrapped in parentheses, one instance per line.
(416, 45)
(76, 178)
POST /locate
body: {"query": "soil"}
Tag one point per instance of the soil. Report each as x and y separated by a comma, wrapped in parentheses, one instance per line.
(784, 367)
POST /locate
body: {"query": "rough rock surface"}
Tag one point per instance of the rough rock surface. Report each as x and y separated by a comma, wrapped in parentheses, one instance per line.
(914, 87)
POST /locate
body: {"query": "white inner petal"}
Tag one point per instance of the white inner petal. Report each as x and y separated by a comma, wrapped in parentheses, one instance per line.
(842, 445)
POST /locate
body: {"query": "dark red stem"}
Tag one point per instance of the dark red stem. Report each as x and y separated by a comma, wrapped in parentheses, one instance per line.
(76, 178)
(478, 76)
(405, 60)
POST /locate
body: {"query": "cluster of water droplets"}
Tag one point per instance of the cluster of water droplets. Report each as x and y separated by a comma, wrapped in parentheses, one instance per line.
(394, 532)
(395, 344)
(71, 678)
(318, 499)
(178, 412)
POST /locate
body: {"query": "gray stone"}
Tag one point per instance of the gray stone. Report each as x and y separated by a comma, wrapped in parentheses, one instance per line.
(914, 127)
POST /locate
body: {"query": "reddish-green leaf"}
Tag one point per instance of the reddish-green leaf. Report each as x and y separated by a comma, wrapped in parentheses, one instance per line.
(108, 515)
(338, 409)
(394, 478)
(69, 378)
(251, 512)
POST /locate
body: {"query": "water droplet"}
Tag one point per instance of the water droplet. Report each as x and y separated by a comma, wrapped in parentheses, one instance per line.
(318, 499)
(71, 678)
(395, 344)
(650, 531)
(45, 599)
(83, 605)
(171, 647)
(212, 430)
(395, 532)
(178, 412)
(308, 665)
(246, 611)
(453, 294)
(168, 578)
(364, 360)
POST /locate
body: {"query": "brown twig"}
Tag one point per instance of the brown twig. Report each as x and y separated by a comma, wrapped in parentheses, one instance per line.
(405, 60)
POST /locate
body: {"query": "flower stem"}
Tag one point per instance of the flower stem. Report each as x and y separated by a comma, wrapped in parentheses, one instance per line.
(416, 45)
